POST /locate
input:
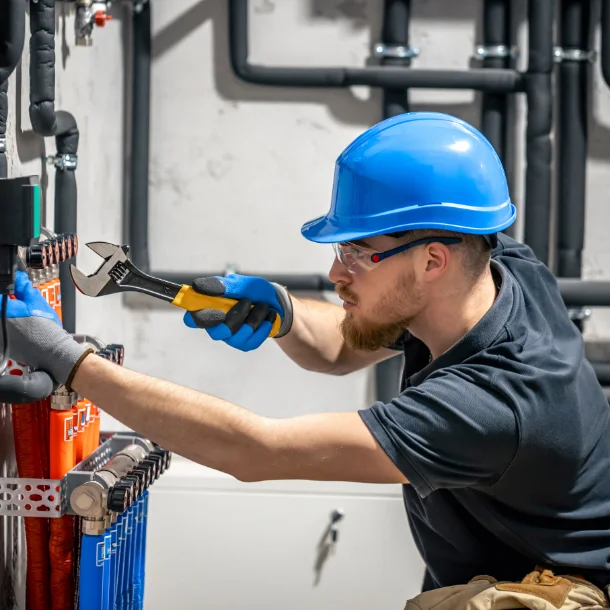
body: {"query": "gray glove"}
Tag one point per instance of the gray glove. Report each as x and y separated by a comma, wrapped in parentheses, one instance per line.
(36, 337)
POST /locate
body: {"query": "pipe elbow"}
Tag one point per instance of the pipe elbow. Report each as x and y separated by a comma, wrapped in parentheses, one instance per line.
(42, 117)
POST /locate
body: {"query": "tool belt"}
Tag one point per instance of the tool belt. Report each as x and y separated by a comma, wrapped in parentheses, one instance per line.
(539, 590)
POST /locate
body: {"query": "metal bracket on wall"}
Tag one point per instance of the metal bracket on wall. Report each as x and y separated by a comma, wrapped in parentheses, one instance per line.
(395, 51)
(560, 54)
(49, 498)
(495, 51)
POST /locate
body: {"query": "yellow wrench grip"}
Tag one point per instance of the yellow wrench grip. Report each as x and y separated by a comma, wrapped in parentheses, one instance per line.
(191, 300)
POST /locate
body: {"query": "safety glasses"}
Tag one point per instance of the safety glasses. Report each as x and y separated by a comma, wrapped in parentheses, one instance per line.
(358, 258)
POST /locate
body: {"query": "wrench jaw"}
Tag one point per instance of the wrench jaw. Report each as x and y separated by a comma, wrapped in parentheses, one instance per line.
(97, 285)
(100, 283)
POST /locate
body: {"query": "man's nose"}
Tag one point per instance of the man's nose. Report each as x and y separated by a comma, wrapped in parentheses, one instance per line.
(339, 273)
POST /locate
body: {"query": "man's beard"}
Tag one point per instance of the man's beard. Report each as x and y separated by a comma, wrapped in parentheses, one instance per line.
(369, 335)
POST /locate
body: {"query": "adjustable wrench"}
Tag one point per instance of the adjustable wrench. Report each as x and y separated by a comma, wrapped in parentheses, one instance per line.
(118, 274)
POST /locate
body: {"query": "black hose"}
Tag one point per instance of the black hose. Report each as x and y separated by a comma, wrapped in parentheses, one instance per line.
(605, 41)
(395, 32)
(140, 138)
(538, 87)
(498, 81)
(573, 100)
(12, 38)
(494, 107)
(46, 122)
(584, 293)
(602, 372)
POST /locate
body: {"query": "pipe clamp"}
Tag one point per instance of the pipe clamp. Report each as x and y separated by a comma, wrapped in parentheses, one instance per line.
(395, 51)
(63, 162)
(495, 51)
(560, 54)
(580, 313)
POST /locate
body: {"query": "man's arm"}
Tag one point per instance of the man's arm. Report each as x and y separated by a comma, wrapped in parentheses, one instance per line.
(223, 436)
(315, 342)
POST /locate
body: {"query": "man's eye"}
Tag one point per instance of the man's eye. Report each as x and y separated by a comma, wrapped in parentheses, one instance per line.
(356, 253)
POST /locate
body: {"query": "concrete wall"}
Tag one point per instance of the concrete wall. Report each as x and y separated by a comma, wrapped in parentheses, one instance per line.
(236, 169)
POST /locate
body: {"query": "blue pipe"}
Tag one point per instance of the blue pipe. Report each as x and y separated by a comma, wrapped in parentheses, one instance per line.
(115, 560)
(131, 585)
(118, 599)
(128, 565)
(91, 572)
(106, 581)
(141, 561)
(137, 571)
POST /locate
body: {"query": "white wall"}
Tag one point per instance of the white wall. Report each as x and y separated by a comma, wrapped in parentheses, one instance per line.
(236, 169)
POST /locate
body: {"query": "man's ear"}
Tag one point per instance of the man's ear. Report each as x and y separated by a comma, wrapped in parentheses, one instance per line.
(437, 260)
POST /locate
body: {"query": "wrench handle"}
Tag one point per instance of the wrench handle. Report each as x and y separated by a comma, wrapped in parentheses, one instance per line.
(191, 300)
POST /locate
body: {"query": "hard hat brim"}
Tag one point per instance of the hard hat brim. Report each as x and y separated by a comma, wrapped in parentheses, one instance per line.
(327, 230)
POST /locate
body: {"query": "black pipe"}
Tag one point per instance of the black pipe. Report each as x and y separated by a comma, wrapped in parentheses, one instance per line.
(494, 107)
(137, 212)
(602, 372)
(140, 137)
(46, 122)
(573, 101)
(12, 38)
(584, 293)
(498, 81)
(395, 33)
(605, 41)
(538, 87)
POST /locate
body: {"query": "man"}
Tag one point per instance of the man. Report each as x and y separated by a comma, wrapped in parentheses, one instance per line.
(501, 433)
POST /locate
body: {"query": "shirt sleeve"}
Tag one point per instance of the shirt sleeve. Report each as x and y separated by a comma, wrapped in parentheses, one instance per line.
(454, 430)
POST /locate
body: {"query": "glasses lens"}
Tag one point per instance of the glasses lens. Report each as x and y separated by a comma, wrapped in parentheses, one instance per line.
(352, 257)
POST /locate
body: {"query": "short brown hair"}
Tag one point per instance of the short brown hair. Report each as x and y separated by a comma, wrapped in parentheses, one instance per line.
(474, 249)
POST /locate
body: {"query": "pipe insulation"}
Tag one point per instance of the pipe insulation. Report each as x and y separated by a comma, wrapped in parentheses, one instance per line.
(605, 41)
(573, 101)
(46, 122)
(494, 107)
(387, 77)
(12, 38)
(538, 88)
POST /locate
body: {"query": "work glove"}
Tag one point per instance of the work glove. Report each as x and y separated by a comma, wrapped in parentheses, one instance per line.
(248, 323)
(35, 334)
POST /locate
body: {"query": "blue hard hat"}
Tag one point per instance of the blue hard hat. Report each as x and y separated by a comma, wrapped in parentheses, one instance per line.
(419, 170)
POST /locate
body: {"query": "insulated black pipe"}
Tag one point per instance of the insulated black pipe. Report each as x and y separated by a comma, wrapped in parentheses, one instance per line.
(140, 136)
(573, 100)
(605, 41)
(46, 122)
(494, 107)
(395, 33)
(12, 38)
(602, 372)
(137, 202)
(538, 87)
(499, 81)
(584, 293)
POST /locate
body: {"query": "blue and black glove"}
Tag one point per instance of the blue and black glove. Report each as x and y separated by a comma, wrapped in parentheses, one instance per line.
(248, 323)
(35, 334)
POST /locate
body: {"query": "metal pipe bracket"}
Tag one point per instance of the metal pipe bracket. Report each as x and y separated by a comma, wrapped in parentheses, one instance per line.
(63, 162)
(395, 51)
(560, 54)
(50, 498)
(495, 51)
